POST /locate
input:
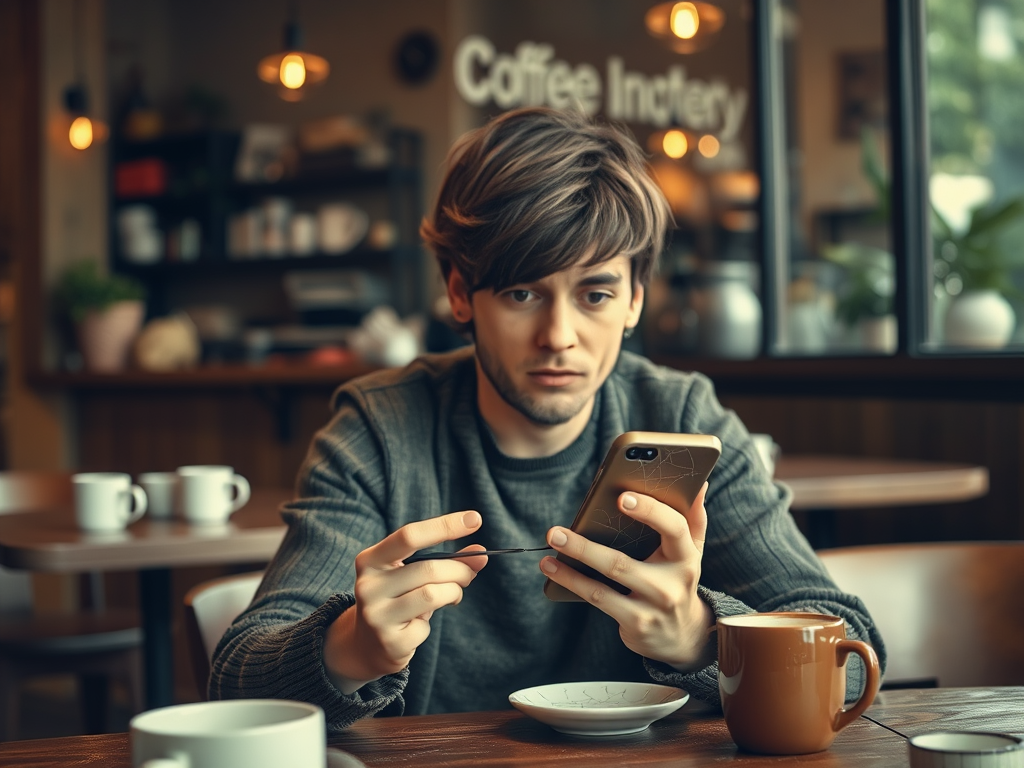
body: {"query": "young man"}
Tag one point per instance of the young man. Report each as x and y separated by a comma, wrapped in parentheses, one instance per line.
(547, 229)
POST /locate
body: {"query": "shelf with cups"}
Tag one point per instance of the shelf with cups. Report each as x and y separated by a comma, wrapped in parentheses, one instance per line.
(239, 240)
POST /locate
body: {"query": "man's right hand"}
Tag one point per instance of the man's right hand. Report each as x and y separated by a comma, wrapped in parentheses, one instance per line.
(394, 602)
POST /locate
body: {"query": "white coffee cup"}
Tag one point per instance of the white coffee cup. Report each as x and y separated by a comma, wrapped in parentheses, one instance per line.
(246, 733)
(767, 449)
(161, 489)
(210, 494)
(107, 501)
(966, 749)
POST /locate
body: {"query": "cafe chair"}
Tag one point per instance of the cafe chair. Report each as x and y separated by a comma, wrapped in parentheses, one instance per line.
(96, 644)
(210, 608)
(951, 614)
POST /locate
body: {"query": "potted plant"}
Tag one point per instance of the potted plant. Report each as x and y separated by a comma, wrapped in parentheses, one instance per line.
(974, 266)
(106, 312)
(865, 302)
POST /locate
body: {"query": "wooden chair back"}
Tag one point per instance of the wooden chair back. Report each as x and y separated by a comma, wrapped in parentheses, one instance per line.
(950, 614)
(22, 491)
(210, 608)
(28, 492)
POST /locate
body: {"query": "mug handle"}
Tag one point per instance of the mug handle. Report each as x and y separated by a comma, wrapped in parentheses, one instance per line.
(139, 503)
(242, 492)
(843, 649)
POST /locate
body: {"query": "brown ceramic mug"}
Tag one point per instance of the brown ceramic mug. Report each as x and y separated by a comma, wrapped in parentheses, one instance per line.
(782, 678)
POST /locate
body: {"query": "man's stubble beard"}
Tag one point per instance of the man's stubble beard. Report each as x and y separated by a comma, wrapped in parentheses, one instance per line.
(546, 415)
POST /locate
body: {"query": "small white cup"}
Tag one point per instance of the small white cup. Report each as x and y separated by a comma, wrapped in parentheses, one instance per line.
(247, 733)
(161, 489)
(767, 449)
(210, 494)
(107, 501)
(966, 749)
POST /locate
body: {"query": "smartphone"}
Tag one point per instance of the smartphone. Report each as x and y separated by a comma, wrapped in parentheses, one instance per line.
(670, 467)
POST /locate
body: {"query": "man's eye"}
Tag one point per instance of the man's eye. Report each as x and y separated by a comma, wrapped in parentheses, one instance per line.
(519, 296)
(594, 298)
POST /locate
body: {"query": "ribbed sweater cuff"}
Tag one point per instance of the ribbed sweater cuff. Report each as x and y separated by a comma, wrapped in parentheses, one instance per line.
(702, 684)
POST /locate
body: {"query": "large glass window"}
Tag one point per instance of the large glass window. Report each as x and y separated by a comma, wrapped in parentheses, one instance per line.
(974, 54)
(827, 118)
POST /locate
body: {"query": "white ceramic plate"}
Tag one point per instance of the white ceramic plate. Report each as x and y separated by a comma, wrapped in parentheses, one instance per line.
(599, 708)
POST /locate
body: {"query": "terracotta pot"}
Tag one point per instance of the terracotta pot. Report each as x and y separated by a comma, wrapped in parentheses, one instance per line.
(105, 337)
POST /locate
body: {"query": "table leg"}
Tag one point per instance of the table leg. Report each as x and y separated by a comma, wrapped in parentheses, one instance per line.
(158, 659)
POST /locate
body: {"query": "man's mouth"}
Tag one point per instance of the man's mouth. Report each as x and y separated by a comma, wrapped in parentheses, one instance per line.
(554, 377)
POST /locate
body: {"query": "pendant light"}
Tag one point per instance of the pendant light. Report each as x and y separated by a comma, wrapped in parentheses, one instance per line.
(293, 70)
(685, 27)
(83, 131)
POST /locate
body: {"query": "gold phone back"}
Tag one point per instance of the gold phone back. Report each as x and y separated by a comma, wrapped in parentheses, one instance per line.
(674, 477)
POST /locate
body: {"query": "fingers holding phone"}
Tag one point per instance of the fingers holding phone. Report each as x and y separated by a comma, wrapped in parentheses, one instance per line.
(661, 617)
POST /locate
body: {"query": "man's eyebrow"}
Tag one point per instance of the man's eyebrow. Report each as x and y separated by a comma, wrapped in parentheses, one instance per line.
(602, 278)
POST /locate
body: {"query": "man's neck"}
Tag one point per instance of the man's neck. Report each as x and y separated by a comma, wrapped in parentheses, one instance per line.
(521, 438)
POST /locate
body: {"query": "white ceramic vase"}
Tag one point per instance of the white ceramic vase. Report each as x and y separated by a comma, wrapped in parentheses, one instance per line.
(105, 338)
(981, 319)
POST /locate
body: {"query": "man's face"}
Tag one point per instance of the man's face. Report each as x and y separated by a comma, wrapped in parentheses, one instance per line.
(546, 347)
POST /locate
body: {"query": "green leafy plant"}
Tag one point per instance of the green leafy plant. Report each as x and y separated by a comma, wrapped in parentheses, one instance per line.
(82, 289)
(978, 255)
(870, 284)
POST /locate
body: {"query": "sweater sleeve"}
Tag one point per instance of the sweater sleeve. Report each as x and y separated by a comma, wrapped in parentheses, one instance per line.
(275, 648)
(755, 557)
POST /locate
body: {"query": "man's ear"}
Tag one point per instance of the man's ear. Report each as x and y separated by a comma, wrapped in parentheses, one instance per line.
(459, 297)
(636, 305)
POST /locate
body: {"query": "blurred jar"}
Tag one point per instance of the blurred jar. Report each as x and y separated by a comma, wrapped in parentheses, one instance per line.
(728, 310)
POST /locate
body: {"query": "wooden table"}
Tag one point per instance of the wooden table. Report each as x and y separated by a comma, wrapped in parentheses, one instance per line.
(50, 541)
(824, 484)
(684, 739)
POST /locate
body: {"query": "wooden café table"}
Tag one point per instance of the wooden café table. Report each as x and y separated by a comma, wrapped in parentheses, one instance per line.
(683, 739)
(50, 541)
(822, 484)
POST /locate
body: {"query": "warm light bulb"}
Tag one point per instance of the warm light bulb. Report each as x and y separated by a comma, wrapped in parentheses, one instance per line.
(293, 71)
(685, 20)
(80, 134)
(674, 144)
(708, 145)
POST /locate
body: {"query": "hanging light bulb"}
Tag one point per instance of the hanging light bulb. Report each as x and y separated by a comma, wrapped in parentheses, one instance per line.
(685, 27)
(80, 132)
(293, 70)
(83, 131)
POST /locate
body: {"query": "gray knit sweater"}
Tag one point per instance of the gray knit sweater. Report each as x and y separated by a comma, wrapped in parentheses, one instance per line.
(408, 445)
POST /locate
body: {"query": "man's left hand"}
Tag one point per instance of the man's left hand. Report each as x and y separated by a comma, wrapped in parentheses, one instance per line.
(662, 617)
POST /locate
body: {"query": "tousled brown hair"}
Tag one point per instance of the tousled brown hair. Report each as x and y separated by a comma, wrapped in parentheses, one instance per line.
(537, 190)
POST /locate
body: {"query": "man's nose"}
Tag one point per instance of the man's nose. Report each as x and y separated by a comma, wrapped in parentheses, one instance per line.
(559, 330)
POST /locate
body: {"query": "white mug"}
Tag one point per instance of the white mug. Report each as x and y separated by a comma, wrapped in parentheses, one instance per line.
(210, 494)
(966, 749)
(161, 489)
(245, 733)
(107, 501)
